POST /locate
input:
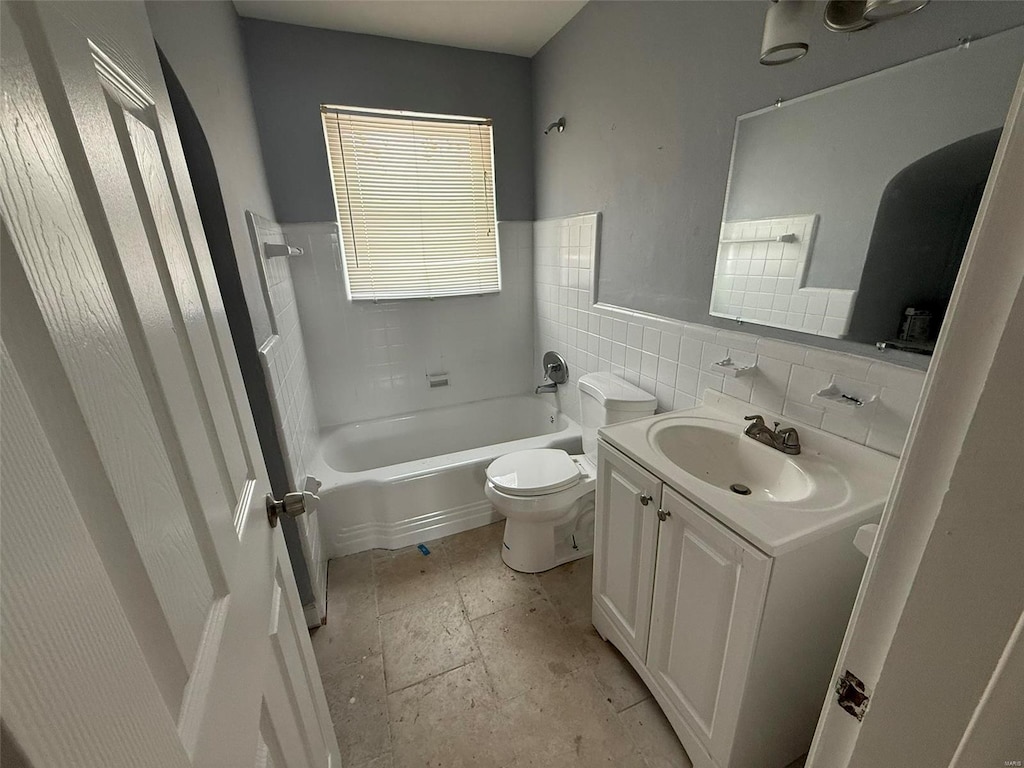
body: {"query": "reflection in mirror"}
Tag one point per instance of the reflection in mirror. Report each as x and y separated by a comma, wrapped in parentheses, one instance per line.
(848, 210)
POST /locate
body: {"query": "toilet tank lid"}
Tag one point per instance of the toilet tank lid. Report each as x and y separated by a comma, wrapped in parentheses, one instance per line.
(615, 394)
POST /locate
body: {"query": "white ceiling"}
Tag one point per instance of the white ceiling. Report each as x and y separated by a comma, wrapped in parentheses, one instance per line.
(519, 27)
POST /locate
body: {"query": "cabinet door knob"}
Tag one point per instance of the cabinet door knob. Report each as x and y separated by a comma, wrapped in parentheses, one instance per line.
(663, 515)
(646, 498)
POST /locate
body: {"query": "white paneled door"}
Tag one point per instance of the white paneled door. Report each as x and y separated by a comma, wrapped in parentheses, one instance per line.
(149, 615)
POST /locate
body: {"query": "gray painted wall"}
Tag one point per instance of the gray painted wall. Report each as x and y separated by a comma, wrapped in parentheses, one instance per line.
(296, 69)
(834, 153)
(651, 91)
(200, 39)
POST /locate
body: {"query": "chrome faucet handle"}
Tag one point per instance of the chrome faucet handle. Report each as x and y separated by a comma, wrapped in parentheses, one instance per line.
(787, 433)
(755, 428)
(789, 440)
(555, 367)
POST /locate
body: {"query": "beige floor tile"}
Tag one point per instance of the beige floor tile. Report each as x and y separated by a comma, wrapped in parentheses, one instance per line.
(622, 686)
(351, 631)
(484, 581)
(494, 587)
(384, 554)
(468, 550)
(525, 646)
(384, 761)
(407, 577)
(569, 587)
(654, 736)
(451, 720)
(424, 640)
(568, 722)
(349, 572)
(632, 760)
(358, 706)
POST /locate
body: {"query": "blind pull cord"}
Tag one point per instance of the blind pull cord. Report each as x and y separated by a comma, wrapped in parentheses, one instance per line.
(348, 196)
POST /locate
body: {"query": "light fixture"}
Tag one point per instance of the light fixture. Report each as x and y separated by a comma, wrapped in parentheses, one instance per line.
(785, 32)
(880, 10)
(846, 16)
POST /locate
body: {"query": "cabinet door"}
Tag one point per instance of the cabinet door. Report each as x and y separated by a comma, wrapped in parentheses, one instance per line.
(625, 541)
(708, 596)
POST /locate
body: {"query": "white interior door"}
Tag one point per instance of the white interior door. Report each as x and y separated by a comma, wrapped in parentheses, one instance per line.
(150, 617)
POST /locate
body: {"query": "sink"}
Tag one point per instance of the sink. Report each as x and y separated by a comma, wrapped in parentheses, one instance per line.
(713, 452)
(701, 452)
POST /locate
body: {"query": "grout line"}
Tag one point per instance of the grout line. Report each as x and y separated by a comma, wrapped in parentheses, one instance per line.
(427, 679)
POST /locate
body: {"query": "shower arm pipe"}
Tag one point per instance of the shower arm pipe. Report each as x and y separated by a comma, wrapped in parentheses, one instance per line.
(558, 125)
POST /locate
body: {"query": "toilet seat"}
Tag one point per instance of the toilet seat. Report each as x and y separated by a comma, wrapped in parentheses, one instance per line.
(537, 472)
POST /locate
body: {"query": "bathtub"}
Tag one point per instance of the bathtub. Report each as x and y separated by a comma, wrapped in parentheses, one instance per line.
(401, 480)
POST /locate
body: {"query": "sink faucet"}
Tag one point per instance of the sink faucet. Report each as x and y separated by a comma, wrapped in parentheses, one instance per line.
(786, 440)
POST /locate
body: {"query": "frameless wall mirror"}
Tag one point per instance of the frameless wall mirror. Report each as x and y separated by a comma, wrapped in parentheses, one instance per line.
(848, 210)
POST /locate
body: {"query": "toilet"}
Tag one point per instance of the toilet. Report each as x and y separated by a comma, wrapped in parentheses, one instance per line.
(547, 495)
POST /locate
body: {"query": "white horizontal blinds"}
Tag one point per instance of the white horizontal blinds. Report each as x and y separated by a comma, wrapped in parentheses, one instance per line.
(415, 200)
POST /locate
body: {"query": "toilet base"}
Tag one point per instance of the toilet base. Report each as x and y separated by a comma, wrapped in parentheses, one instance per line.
(536, 547)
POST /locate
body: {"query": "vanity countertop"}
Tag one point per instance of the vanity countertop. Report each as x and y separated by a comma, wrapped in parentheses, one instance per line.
(838, 483)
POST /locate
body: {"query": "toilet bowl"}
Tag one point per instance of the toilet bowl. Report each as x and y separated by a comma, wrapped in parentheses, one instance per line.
(547, 495)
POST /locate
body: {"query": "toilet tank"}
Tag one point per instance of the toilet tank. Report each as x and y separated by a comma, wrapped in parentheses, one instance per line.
(606, 399)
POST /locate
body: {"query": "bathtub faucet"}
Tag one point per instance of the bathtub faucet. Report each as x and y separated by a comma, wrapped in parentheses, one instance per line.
(556, 371)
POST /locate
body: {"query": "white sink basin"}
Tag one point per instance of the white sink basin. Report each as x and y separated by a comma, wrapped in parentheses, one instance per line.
(714, 453)
(703, 453)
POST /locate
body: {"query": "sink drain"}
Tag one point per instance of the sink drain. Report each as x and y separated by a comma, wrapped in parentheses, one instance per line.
(739, 488)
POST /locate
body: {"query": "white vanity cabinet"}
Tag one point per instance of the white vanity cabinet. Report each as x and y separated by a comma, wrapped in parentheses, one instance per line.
(737, 646)
(625, 545)
(709, 590)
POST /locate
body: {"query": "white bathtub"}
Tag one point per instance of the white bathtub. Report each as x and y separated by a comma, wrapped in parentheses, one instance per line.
(401, 480)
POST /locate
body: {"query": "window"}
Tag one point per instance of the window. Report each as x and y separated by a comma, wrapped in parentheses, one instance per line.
(415, 200)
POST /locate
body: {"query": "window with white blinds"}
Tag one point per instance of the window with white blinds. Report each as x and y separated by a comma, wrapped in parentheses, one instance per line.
(415, 200)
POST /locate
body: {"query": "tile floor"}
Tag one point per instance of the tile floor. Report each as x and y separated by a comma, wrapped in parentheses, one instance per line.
(455, 660)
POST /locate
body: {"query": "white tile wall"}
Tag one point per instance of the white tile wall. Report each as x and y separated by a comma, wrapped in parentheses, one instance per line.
(670, 359)
(284, 358)
(764, 281)
(284, 361)
(372, 360)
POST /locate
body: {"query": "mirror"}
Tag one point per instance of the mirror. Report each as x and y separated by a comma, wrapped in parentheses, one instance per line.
(848, 210)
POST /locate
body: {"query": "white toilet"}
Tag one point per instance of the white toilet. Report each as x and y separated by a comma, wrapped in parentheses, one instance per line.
(548, 495)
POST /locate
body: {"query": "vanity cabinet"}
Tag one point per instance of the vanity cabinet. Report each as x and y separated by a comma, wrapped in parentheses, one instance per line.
(709, 589)
(737, 646)
(625, 545)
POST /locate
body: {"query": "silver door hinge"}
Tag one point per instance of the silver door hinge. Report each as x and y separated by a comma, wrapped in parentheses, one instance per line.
(852, 694)
(293, 505)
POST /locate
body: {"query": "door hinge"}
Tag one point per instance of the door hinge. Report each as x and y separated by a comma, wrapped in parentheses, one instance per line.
(852, 695)
(293, 505)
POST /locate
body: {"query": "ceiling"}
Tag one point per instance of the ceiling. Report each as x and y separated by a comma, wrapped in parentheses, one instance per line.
(519, 27)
